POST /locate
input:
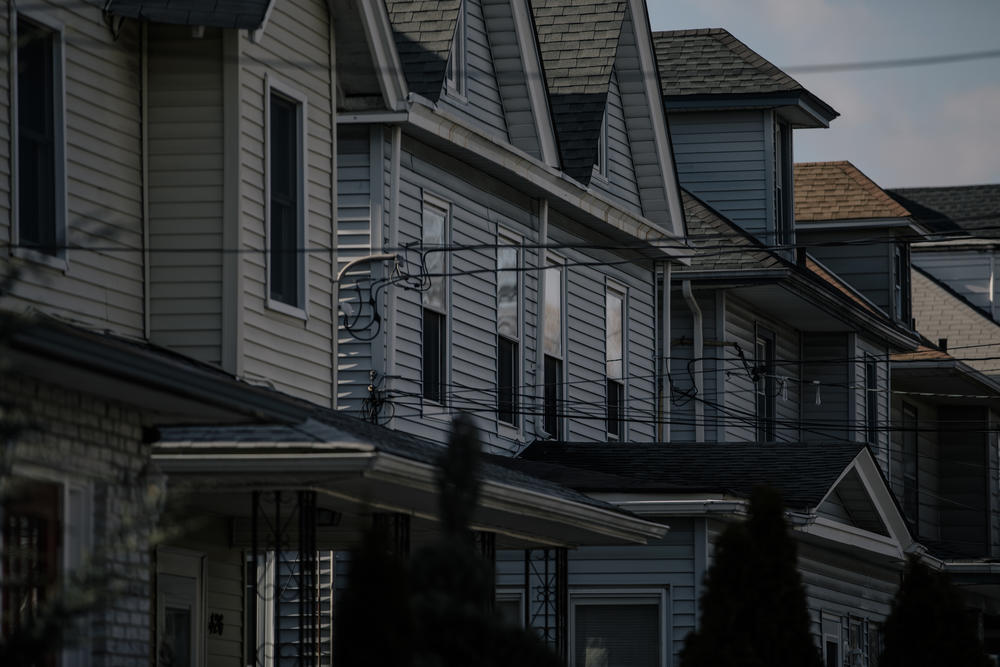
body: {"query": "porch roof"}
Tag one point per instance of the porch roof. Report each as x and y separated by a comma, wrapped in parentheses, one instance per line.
(238, 14)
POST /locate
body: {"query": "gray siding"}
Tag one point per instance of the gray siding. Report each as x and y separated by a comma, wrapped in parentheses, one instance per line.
(102, 285)
(880, 355)
(620, 183)
(292, 354)
(968, 272)
(721, 158)
(824, 361)
(682, 379)
(928, 470)
(482, 106)
(185, 190)
(866, 267)
(510, 74)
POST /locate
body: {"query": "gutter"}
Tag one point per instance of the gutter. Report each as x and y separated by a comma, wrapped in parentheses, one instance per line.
(699, 371)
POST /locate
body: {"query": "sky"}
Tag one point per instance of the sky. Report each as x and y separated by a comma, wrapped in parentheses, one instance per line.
(908, 126)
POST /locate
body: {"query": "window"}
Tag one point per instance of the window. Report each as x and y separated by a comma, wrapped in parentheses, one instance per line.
(602, 147)
(783, 212)
(286, 205)
(764, 385)
(39, 170)
(614, 352)
(508, 332)
(552, 348)
(901, 283)
(910, 495)
(617, 628)
(455, 78)
(435, 302)
(510, 606)
(871, 401)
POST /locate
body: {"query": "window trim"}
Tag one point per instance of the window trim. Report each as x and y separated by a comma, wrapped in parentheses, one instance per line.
(553, 260)
(784, 213)
(613, 287)
(506, 429)
(765, 427)
(457, 86)
(274, 86)
(443, 411)
(59, 261)
(900, 283)
(622, 596)
(871, 402)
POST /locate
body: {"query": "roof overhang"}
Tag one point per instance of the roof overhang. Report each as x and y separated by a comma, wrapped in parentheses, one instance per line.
(901, 227)
(355, 475)
(946, 381)
(802, 109)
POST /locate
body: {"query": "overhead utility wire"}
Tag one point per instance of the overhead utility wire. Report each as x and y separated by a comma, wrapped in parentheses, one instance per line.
(918, 61)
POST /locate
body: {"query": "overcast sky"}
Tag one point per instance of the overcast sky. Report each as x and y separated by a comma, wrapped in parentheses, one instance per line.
(912, 126)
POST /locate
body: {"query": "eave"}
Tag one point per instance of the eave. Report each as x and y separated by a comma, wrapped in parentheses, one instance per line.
(902, 226)
(801, 108)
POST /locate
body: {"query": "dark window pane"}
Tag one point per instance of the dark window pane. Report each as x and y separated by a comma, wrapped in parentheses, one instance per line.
(284, 177)
(765, 388)
(552, 397)
(507, 380)
(434, 356)
(617, 635)
(871, 402)
(615, 405)
(36, 138)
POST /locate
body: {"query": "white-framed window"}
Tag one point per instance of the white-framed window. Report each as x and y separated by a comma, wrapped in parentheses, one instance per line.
(871, 400)
(509, 330)
(901, 282)
(553, 347)
(456, 76)
(179, 607)
(784, 216)
(39, 150)
(618, 627)
(45, 535)
(434, 343)
(285, 205)
(615, 343)
(765, 385)
(510, 605)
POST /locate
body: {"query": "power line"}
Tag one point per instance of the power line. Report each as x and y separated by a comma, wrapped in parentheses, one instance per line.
(917, 61)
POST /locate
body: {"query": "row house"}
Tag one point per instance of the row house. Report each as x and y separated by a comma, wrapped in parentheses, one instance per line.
(234, 229)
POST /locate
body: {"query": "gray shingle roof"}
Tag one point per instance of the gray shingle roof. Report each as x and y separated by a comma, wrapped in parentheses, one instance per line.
(712, 61)
(424, 32)
(578, 41)
(238, 14)
(973, 208)
(802, 472)
(721, 245)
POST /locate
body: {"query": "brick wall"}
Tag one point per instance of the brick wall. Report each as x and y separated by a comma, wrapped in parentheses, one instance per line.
(94, 447)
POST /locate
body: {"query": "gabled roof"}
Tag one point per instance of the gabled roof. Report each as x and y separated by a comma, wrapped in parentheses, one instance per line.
(973, 208)
(802, 472)
(238, 14)
(829, 191)
(424, 31)
(711, 62)
(578, 41)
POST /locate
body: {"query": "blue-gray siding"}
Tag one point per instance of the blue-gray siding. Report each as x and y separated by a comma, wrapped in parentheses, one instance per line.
(824, 357)
(620, 183)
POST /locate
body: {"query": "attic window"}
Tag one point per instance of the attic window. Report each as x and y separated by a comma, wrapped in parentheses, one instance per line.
(602, 148)
(455, 79)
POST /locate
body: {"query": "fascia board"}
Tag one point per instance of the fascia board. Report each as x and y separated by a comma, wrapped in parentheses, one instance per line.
(951, 366)
(549, 181)
(538, 96)
(861, 223)
(885, 503)
(682, 507)
(382, 45)
(754, 276)
(722, 101)
(261, 463)
(840, 533)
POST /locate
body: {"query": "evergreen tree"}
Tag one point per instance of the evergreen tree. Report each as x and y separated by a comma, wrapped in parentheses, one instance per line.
(753, 609)
(928, 625)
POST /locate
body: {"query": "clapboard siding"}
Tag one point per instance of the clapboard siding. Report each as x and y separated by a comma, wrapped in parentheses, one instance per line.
(292, 354)
(185, 191)
(824, 362)
(866, 267)
(482, 106)
(721, 158)
(619, 182)
(968, 272)
(928, 468)
(511, 78)
(741, 327)
(868, 351)
(103, 283)
(683, 396)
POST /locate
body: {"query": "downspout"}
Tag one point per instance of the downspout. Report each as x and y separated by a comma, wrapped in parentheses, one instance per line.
(391, 292)
(665, 389)
(697, 364)
(144, 147)
(543, 235)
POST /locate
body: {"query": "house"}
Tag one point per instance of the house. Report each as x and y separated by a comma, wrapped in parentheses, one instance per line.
(963, 252)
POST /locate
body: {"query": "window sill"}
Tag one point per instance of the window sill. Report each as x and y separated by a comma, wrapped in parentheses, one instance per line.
(455, 96)
(287, 309)
(50, 261)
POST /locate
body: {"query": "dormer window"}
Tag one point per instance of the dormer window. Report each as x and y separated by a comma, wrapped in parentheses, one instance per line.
(901, 282)
(455, 80)
(783, 211)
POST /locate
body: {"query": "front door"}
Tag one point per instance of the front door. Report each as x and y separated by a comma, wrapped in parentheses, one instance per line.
(178, 608)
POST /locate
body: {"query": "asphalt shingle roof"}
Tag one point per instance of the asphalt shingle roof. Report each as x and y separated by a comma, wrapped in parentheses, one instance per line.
(839, 191)
(424, 31)
(578, 42)
(721, 245)
(710, 61)
(802, 472)
(973, 208)
(238, 14)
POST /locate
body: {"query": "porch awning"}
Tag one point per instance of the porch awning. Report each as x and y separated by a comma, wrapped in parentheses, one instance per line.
(353, 464)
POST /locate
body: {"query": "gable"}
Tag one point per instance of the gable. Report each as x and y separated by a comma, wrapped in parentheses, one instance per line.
(849, 503)
(423, 31)
(618, 181)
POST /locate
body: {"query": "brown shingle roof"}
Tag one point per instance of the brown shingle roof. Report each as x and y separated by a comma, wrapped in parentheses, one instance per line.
(839, 191)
